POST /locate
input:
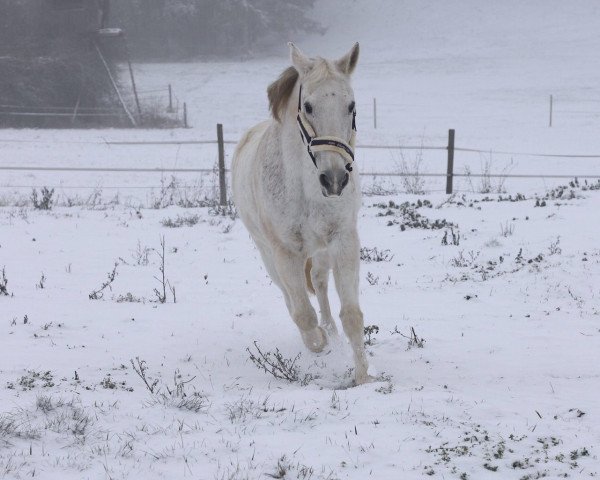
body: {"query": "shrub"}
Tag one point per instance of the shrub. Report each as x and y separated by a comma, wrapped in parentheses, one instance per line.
(45, 202)
(274, 363)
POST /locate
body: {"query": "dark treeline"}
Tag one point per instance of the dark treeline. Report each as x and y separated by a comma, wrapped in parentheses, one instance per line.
(48, 61)
(187, 29)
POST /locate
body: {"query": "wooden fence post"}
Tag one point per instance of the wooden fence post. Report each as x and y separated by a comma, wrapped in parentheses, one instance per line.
(114, 84)
(450, 172)
(222, 184)
(185, 121)
(375, 113)
(170, 110)
(76, 107)
(135, 93)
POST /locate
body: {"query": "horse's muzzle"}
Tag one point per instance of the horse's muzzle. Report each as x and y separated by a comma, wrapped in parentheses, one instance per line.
(333, 182)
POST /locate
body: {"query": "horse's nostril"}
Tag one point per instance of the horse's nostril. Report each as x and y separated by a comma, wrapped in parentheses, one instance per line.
(324, 179)
(345, 180)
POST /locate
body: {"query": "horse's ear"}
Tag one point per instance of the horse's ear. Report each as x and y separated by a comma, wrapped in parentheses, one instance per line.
(348, 62)
(300, 61)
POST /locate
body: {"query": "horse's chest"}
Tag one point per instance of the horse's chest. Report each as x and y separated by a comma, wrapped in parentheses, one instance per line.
(325, 229)
(315, 233)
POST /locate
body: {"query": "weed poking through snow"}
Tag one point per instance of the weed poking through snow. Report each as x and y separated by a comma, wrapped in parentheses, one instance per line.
(406, 215)
(507, 229)
(413, 339)
(141, 255)
(4, 283)
(170, 396)
(180, 221)
(177, 397)
(369, 333)
(454, 240)
(141, 368)
(375, 255)
(45, 202)
(554, 248)
(274, 363)
(161, 292)
(411, 173)
(372, 279)
(99, 293)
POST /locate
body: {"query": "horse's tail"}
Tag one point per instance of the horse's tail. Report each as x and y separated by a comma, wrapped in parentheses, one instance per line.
(307, 268)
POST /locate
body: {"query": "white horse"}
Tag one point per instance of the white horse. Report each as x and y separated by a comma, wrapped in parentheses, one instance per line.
(298, 195)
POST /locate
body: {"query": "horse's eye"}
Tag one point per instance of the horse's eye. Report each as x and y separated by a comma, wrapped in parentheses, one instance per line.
(351, 107)
(307, 108)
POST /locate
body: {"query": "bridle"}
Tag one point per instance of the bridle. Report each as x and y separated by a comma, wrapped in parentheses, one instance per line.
(325, 143)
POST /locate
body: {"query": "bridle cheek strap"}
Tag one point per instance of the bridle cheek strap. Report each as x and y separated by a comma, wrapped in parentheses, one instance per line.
(325, 144)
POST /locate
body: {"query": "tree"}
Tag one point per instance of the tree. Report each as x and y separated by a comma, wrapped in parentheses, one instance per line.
(48, 59)
(183, 29)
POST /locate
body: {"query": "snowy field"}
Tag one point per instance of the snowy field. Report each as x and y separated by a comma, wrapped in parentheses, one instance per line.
(505, 381)
(484, 308)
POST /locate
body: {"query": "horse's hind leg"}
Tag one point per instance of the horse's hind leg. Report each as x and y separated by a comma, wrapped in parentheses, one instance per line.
(319, 275)
(269, 263)
(290, 268)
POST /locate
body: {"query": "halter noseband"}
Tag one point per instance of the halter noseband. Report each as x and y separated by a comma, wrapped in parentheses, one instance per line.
(320, 144)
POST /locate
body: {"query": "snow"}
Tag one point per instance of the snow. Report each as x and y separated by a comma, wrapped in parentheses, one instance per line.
(505, 384)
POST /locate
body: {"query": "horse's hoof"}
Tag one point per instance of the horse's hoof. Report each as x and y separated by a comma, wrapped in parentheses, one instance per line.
(331, 329)
(362, 379)
(315, 339)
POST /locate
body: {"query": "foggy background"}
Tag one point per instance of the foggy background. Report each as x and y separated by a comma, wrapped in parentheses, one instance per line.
(188, 29)
(49, 50)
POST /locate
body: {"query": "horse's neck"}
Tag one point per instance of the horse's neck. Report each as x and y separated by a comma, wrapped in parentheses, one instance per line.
(298, 166)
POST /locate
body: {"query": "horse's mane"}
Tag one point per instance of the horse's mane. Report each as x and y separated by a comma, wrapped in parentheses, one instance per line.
(280, 90)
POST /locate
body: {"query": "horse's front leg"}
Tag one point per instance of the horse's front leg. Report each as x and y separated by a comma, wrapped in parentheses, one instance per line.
(345, 253)
(290, 267)
(320, 278)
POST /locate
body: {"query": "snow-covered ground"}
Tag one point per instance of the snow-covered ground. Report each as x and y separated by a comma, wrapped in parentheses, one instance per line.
(504, 294)
(507, 377)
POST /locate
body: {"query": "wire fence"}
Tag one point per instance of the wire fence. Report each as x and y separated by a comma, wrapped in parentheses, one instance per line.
(526, 154)
(449, 175)
(55, 114)
(59, 109)
(212, 170)
(358, 146)
(72, 112)
(164, 94)
(570, 106)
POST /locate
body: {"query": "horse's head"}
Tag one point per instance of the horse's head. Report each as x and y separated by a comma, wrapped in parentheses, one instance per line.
(326, 115)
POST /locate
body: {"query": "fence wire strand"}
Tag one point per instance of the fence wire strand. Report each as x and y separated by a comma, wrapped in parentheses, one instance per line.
(524, 154)
(363, 146)
(106, 169)
(365, 174)
(231, 142)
